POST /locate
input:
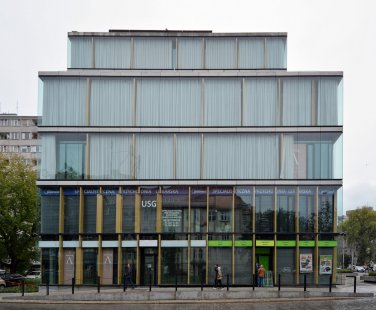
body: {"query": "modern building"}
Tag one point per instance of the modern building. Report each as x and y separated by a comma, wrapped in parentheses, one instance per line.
(178, 150)
(18, 135)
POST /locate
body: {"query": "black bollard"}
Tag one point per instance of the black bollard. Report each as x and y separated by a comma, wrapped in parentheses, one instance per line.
(354, 284)
(253, 281)
(228, 281)
(23, 287)
(124, 284)
(99, 284)
(202, 281)
(48, 286)
(73, 282)
(305, 282)
(279, 282)
(176, 280)
(150, 282)
(330, 284)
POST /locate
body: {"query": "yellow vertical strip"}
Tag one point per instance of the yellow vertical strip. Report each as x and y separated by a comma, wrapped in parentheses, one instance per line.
(335, 249)
(120, 260)
(79, 261)
(316, 228)
(189, 235)
(253, 231)
(99, 214)
(297, 229)
(159, 260)
(119, 213)
(233, 235)
(275, 235)
(61, 231)
(158, 223)
(207, 235)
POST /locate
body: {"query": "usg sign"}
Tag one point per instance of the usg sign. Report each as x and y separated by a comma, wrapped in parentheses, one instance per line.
(149, 203)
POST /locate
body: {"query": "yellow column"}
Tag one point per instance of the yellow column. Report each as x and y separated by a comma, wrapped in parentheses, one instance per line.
(119, 230)
(61, 231)
(100, 231)
(297, 236)
(316, 228)
(189, 235)
(137, 229)
(79, 252)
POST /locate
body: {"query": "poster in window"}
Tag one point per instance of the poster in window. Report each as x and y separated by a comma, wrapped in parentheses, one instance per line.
(326, 264)
(306, 265)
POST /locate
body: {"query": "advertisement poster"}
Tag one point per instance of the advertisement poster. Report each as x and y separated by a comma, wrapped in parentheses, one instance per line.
(326, 264)
(306, 265)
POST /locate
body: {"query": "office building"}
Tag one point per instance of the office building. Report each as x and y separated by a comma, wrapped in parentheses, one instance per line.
(178, 150)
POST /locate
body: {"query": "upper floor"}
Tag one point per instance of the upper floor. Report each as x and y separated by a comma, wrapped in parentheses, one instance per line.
(176, 50)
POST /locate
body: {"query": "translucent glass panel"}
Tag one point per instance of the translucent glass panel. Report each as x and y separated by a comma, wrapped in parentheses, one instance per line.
(223, 257)
(326, 211)
(198, 263)
(90, 211)
(148, 210)
(80, 52)
(112, 52)
(276, 53)
(180, 53)
(244, 156)
(64, 101)
(175, 201)
(71, 211)
(50, 213)
(109, 212)
(242, 266)
(220, 213)
(90, 266)
(154, 156)
(190, 53)
(198, 211)
(168, 102)
(286, 265)
(111, 102)
(251, 53)
(297, 102)
(50, 266)
(188, 156)
(174, 265)
(260, 102)
(47, 166)
(110, 156)
(153, 53)
(220, 53)
(129, 210)
(222, 102)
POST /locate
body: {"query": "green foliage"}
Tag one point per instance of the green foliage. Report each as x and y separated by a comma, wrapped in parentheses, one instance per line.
(360, 229)
(31, 286)
(344, 271)
(18, 212)
(372, 273)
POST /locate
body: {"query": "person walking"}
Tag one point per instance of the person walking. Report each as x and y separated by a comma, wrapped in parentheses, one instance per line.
(215, 275)
(256, 273)
(128, 276)
(219, 277)
(261, 276)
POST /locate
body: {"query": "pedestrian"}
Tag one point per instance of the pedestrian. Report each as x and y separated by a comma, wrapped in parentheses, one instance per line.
(219, 277)
(256, 274)
(215, 275)
(261, 276)
(128, 276)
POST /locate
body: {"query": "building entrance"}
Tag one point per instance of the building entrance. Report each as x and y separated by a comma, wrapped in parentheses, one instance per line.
(264, 256)
(148, 268)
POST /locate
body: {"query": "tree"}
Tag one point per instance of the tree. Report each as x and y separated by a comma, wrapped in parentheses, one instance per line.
(18, 212)
(360, 230)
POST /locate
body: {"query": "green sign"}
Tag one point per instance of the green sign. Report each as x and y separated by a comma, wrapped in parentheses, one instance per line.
(220, 243)
(308, 243)
(264, 242)
(243, 243)
(286, 243)
(328, 243)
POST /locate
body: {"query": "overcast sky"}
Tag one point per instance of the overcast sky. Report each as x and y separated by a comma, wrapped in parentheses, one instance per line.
(323, 35)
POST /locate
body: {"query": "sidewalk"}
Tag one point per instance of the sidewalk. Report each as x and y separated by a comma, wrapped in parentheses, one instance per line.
(189, 294)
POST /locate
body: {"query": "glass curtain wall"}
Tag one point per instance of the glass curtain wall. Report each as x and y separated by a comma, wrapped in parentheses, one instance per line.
(109, 210)
(306, 212)
(50, 266)
(50, 201)
(286, 197)
(71, 210)
(148, 210)
(129, 210)
(90, 212)
(326, 212)
(264, 212)
(90, 257)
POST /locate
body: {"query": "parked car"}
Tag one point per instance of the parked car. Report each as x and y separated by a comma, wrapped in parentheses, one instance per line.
(2, 284)
(359, 269)
(33, 275)
(12, 279)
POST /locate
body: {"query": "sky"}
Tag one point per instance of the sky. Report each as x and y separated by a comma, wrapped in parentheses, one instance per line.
(323, 35)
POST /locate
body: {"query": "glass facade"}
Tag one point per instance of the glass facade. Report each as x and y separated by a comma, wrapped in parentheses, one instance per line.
(185, 157)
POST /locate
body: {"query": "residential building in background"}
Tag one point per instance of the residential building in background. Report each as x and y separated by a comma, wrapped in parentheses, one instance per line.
(18, 135)
(178, 150)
